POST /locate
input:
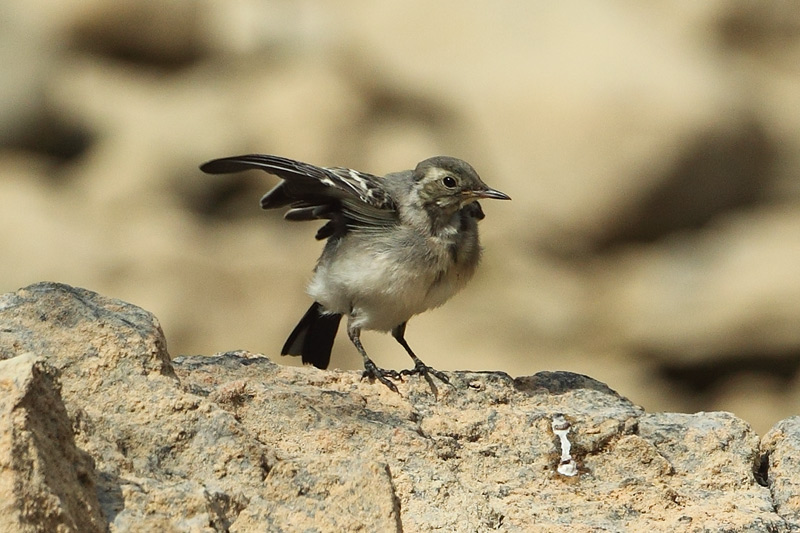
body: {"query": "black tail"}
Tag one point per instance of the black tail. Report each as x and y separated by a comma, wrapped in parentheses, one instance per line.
(313, 336)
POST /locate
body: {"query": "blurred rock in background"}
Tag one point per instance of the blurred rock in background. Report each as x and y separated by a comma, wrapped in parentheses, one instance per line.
(652, 151)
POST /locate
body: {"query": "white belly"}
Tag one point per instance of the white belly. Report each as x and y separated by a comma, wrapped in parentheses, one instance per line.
(383, 284)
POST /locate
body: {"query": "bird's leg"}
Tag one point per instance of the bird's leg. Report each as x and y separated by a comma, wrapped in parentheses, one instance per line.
(371, 370)
(419, 367)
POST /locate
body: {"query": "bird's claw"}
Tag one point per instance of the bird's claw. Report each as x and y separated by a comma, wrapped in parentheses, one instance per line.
(371, 371)
(425, 371)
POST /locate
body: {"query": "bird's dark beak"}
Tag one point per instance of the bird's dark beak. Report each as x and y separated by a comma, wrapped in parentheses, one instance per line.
(490, 193)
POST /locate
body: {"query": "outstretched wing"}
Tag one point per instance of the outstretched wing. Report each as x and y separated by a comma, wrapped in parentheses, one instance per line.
(342, 195)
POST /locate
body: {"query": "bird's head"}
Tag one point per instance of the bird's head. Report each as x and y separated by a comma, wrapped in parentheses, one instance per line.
(448, 184)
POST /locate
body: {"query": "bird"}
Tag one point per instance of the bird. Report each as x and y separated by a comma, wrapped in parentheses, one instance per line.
(396, 246)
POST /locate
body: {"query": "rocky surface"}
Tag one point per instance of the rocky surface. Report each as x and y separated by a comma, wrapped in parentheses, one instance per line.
(99, 428)
(46, 482)
(652, 151)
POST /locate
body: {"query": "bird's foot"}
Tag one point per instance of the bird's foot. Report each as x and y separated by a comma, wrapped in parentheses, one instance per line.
(425, 371)
(371, 371)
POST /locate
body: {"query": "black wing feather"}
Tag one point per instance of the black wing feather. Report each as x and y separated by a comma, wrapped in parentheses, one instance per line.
(304, 183)
(314, 192)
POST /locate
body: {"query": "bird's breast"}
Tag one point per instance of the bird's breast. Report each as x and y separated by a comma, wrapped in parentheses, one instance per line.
(383, 280)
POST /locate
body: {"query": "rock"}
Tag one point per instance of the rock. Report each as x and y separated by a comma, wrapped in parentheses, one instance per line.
(781, 448)
(351, 494)
(153, 443)
(235, 442)
(46, 482)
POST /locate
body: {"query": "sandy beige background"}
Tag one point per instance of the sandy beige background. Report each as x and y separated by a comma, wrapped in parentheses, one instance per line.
(652, 153)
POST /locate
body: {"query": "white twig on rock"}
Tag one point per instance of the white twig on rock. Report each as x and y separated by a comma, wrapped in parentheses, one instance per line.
(567, 465)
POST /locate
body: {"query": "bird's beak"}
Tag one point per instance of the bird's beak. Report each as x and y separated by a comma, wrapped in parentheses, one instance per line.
(490, 193)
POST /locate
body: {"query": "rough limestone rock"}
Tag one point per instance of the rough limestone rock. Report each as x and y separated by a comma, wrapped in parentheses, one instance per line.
(235, 442)
(46, 482)
(781, 446)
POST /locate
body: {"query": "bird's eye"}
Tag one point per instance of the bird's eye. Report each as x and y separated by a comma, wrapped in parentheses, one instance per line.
(449, 182)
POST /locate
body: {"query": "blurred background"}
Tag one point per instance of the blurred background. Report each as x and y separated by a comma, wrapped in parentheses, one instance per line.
(652, 152)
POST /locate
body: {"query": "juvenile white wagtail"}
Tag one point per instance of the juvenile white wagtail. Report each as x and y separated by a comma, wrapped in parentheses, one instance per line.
(396, 246)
